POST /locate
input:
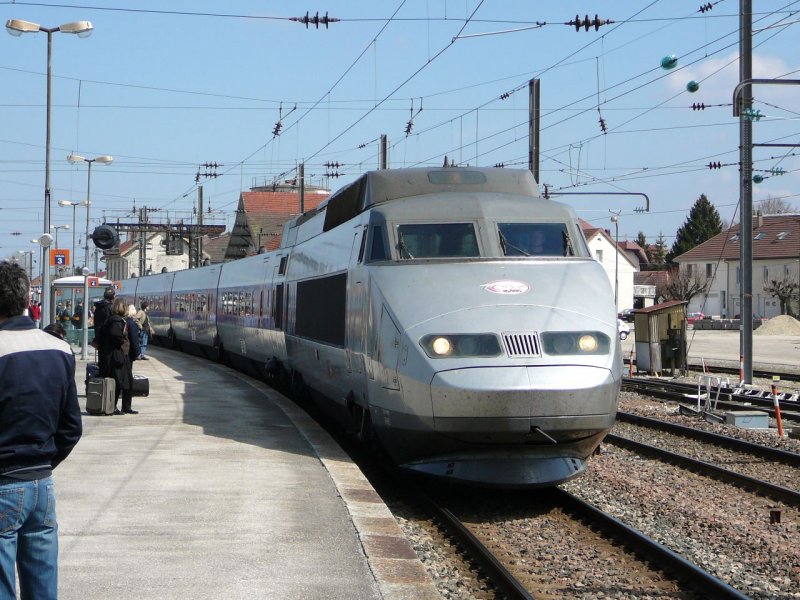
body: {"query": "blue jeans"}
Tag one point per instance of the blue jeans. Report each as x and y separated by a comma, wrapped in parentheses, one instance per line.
(143, 343)
(29, 538)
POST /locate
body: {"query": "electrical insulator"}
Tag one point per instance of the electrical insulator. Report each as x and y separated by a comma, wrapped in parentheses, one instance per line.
(504, 95)
(752, 115)
(777, 171)
(315, 20)
(409, 127)
(698, 106)
(277, 130)
(706, 7)
(603, 127)
(586, 23)
(714, 165)
(500, 165)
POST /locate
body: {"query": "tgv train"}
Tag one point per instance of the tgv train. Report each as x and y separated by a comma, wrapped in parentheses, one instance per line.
(452, 314)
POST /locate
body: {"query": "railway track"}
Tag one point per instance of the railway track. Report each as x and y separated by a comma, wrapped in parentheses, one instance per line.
(730, 398)
(640, 559)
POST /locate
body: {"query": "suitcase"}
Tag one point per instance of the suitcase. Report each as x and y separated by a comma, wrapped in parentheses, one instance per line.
(92, 371)
(100, 396)
(141, 386)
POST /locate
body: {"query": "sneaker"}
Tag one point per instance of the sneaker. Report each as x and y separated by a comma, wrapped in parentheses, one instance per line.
(131, 412)
(143, 358)
(118, 412)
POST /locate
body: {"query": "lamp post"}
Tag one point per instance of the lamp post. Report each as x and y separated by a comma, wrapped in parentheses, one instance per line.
(74, 205)
(17, 27)
(103, 160)
(615, 221)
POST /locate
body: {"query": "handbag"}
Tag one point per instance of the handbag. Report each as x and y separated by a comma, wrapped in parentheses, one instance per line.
(126, 343)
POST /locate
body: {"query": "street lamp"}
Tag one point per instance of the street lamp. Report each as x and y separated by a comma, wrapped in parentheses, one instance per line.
(103, 160)
(17, 27)
(74, 205)
(615, 221)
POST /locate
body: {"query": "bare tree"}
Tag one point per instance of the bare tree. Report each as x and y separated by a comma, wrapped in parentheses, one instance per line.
(773, 205)
(681, 285)
(784, 290)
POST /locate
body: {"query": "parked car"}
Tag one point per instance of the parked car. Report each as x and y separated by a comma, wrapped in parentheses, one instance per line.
(624, 329)
(626, 315)
(694, 316)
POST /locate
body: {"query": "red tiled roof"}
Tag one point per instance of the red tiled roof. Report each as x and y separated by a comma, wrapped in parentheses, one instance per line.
(768, 241)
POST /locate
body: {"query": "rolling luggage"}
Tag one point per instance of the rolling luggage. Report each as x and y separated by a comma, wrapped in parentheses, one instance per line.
(141, 386)
(92, 371)
(100, 396)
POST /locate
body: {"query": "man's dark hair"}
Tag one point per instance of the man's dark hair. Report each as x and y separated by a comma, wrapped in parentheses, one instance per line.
(14, 289)
(57, 330)
(144, 304)
(109, 293)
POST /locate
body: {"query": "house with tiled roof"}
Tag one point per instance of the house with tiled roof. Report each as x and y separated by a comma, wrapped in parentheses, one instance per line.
(261, 214)
(776, 256)
(618, 264)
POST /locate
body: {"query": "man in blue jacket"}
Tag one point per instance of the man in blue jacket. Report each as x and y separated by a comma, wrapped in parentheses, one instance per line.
(40, 423)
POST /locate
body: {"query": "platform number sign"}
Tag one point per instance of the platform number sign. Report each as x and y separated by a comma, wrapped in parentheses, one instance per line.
(93, 282)
(59, 257)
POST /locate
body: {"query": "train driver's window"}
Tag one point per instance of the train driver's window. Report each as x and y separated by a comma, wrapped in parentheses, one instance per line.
(378, 247)
(533, 239)
(437, 240)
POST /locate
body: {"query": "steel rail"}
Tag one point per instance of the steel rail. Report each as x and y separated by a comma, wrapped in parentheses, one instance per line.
(488, 562)
(784, 456)
(661, 556)
(758, 486)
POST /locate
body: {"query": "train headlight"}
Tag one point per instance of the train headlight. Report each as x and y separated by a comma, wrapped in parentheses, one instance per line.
(577, 342)
(441, 346)
(461, 345)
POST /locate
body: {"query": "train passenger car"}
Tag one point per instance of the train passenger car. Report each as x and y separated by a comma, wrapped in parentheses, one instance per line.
(245, 312)
(193, 317)
(155, 289)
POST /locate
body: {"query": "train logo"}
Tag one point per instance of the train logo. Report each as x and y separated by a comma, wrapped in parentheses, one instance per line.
(506, 286)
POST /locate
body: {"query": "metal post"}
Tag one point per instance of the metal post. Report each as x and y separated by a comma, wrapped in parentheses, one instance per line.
(384, 151)
(200, 226)
(302, 183)
(746, 173)
(533, 128)
(88, 204)
(72, 251)
(47, 316)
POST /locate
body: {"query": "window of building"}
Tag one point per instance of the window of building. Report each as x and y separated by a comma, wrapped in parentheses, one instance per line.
(709, 269)
(599, 254)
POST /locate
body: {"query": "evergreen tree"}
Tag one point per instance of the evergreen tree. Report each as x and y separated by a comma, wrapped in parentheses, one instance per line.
(702, 224)
(658, 253)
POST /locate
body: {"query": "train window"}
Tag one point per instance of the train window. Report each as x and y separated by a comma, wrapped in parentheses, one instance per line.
(535, 239)
(277, 316)
(437, 240)
(363, 245)
(378, 248)
(282, 267)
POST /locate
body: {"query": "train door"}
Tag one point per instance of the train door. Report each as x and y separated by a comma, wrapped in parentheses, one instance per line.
(388, 351)
(356, 306)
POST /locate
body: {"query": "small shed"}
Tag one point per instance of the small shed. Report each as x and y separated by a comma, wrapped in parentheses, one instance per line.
(661, 337)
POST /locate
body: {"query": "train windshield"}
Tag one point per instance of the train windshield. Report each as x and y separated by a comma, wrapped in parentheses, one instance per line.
(535, 239)
(436, 240)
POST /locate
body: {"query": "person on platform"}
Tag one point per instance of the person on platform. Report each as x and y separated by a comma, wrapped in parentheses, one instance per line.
(40, 423)
(117, 346)
(102, 313)
(134, 335)
(147, 329)
(35, 312)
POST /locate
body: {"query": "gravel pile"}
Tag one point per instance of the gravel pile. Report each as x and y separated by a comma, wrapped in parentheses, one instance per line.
(780, 325)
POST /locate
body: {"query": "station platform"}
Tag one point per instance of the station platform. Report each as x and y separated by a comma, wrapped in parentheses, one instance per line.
(221, 488)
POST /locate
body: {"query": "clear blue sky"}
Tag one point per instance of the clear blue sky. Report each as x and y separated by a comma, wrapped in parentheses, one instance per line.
(166, 86)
